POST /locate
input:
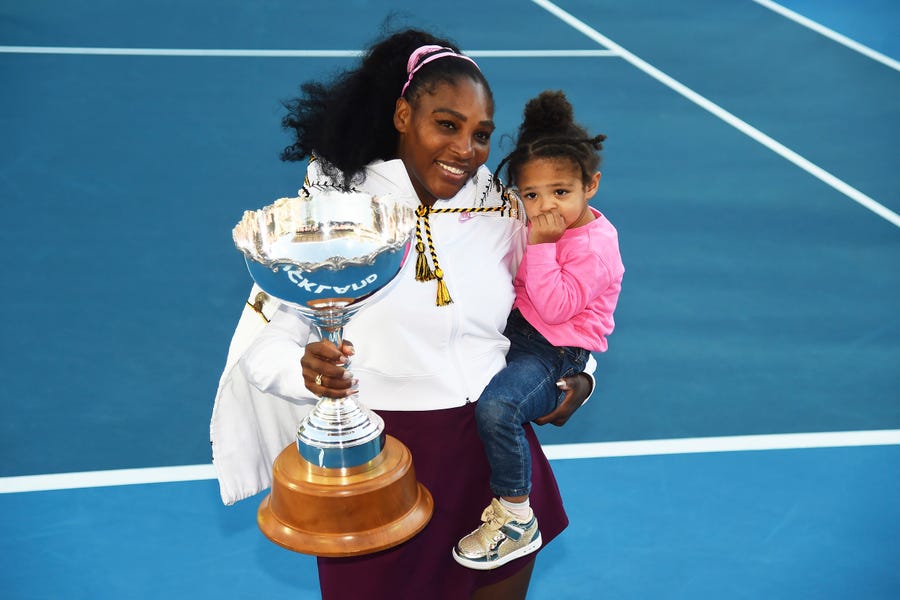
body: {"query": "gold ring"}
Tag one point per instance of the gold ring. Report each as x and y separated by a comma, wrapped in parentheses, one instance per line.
(319, 379)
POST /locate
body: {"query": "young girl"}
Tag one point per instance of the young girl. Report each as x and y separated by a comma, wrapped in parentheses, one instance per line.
(567, 286)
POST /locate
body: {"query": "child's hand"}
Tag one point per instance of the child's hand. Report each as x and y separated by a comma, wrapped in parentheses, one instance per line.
(546, 228)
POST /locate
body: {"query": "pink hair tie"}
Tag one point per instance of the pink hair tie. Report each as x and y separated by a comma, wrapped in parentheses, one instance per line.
(415, 61)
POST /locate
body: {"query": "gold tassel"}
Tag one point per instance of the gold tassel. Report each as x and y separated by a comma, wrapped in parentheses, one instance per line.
(423, 272)
(443, 294)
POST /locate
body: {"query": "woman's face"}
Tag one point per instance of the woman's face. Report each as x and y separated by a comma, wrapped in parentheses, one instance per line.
(444, 137)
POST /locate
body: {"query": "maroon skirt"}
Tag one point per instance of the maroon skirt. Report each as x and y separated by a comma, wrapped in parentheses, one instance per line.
(449, 460)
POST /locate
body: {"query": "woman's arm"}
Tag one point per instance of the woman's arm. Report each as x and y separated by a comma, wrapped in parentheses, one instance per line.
(578, 390)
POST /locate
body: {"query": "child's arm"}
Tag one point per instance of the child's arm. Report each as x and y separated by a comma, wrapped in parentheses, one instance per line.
(559, 292)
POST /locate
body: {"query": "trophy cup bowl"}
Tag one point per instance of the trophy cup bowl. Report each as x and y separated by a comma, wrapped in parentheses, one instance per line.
(345, 488)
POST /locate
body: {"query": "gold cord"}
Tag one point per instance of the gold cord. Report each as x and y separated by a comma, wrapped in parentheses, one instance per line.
(424, 271)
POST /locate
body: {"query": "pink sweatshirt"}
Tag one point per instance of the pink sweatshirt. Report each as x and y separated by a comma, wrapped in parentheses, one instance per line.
(568, 290)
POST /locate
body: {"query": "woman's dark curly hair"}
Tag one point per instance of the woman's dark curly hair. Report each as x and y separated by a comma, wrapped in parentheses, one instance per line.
(349, 122)
(549, 130)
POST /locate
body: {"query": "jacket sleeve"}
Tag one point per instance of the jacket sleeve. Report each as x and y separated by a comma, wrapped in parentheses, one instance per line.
(558, 292)
(255, 416)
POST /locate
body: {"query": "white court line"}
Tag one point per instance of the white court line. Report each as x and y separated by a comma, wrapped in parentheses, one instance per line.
(739, 443)
(830, 33)
(282, 53)
(788, 441)
(92, 479)
(539, 53)
(777, 147)
(178, 52)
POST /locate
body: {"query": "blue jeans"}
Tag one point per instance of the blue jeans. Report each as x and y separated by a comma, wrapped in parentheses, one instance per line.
(525, 390)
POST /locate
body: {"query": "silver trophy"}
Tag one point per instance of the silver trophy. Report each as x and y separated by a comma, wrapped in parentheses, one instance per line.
(327, 253)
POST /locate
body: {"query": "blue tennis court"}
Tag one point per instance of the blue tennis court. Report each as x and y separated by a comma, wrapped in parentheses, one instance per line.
(744, 438)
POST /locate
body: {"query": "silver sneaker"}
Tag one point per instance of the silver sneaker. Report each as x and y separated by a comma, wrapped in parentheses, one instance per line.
(500, 539)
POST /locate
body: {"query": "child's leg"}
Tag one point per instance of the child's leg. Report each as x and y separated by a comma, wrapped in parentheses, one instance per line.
(509, 528)
(523, 391)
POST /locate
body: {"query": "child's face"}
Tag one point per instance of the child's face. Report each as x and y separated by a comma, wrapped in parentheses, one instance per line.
(548, 184)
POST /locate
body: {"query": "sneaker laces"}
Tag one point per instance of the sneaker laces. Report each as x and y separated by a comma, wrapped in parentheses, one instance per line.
(492, 521)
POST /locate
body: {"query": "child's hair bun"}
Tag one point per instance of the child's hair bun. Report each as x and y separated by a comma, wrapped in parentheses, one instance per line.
(550, 111)
(549, 131)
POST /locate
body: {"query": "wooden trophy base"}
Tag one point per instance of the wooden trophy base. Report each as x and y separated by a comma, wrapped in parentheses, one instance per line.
(345, 511)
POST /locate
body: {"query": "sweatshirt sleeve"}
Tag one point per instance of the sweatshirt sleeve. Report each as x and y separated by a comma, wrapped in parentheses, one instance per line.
(272, 361)
(559, 292)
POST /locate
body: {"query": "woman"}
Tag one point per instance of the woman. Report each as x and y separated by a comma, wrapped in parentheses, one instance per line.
(414, 120)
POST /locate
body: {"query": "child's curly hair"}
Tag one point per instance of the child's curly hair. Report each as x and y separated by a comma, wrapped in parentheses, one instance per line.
(549, 130)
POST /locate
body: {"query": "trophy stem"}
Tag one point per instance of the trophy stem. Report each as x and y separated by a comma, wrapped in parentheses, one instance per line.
(330, 320)
(339, 432)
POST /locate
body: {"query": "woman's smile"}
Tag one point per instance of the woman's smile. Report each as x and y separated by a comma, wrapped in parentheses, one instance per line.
(452, 170)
